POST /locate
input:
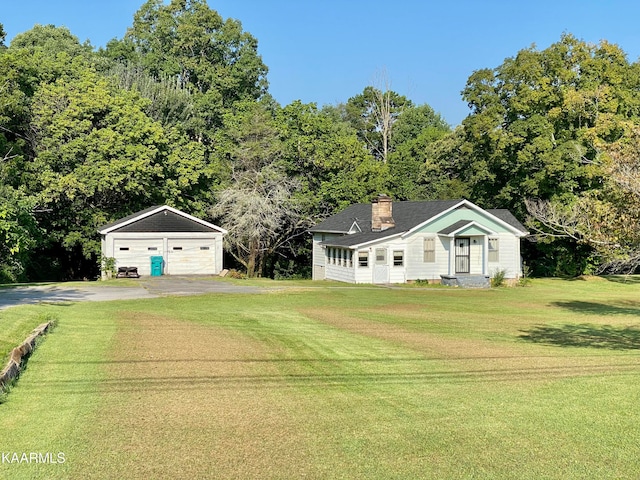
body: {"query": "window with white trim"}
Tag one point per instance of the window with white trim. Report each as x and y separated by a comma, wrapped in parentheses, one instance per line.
(363, 259)
(398, 258)
(494, 250)
(430, 250)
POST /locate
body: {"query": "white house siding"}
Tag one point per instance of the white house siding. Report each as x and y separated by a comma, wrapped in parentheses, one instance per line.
(396, 274)
(342, 274)
(363, 274)
(416, 267)
(318, 260)
(508, 255)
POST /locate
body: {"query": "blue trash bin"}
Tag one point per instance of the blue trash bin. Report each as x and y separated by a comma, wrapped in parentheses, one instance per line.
(156, 265)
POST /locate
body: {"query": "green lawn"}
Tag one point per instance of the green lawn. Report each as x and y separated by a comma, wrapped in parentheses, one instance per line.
(15, 326)
(536, 382)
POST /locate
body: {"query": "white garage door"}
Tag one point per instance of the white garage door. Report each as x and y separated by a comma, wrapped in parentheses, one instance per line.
(137, 253)
(191, 256)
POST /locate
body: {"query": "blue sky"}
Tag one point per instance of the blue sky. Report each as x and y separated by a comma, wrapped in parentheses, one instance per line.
(327, 51)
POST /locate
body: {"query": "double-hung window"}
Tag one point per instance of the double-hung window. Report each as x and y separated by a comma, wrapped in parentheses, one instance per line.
(429, 250)
(494, 250)
(398, 258)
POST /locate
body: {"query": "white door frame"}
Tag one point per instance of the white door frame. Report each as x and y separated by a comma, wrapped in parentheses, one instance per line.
(381, 271)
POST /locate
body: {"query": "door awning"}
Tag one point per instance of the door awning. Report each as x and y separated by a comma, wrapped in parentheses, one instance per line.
(465, 227)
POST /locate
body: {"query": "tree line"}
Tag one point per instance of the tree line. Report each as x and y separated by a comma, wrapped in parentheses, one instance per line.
(178, 112)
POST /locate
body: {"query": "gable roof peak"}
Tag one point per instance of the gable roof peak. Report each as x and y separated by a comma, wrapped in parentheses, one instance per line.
(147, 212)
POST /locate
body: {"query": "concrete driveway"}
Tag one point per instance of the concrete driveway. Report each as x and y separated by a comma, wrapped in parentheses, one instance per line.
(147, 287)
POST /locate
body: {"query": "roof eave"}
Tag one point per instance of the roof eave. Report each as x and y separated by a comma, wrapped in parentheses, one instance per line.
(363, 244)
(341, 232)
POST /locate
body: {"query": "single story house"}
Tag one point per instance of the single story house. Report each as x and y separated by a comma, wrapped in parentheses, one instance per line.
(445, 241)
(176, 242)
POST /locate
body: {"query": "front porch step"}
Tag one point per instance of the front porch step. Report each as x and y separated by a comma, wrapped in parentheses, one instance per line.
(466, 281)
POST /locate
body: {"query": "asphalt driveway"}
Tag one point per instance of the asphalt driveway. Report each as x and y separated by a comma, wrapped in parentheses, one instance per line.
(147, 287)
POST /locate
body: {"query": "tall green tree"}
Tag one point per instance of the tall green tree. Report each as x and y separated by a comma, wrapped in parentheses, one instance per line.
(53, 40)
(187, 41)
(170, 103)
(332, 165)
(536, 118)
(98, 157)
(19, 233)
(258, 206)
(414, 131)
(373, 113)
(606, 219)
(538, 123)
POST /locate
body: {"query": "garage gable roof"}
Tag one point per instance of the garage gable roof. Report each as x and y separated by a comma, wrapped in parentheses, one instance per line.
(161, 218)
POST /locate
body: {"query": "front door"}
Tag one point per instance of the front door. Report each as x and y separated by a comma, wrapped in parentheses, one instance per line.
(381, 266)
(463, 252)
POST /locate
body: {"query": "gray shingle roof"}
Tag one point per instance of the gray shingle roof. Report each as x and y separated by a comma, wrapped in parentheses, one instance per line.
(128, 217)
(407, 215)
(506, 216)
(165, 219)
(454, 226)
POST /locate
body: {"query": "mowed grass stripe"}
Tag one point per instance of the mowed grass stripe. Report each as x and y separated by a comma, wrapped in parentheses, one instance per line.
(55, 397)
(190, 401)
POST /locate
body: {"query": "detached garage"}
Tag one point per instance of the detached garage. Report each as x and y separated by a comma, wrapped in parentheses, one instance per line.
(187, 245)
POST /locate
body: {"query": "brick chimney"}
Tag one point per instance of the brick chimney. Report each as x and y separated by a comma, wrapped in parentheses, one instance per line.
(381, 213)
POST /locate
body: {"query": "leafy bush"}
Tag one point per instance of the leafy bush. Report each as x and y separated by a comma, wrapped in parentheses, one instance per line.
(498, 278)
(290, 270)
(109, 266)
(233, 273)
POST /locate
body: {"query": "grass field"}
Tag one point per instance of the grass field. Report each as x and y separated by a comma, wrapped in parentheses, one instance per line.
(513, 383)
